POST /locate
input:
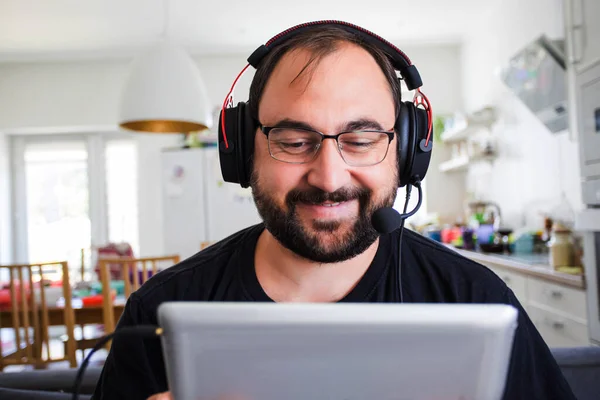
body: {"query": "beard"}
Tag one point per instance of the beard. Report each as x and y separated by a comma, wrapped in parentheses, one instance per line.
(321, 241)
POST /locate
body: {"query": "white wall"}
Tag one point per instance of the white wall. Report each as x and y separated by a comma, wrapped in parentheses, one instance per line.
(5, 220)
(85, 95)
(440, 69)
(534, 167)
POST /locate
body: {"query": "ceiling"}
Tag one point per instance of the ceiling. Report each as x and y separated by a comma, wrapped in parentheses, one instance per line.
(70, 29)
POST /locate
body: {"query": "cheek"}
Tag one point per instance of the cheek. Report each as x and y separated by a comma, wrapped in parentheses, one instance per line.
(274, 177)
(380, 178)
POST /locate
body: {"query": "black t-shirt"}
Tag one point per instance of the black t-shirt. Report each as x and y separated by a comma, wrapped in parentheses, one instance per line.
(431, 273)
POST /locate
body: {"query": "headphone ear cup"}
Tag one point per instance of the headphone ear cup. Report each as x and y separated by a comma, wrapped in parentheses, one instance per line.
(405, 141)
(228, 148)
(414, 153)
(422, 148)
(247, 132)
(235, 157)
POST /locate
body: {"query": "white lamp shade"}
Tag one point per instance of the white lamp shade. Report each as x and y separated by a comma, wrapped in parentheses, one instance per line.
(165, 93)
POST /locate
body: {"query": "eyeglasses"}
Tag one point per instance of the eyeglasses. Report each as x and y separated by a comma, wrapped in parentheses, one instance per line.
(299, 145)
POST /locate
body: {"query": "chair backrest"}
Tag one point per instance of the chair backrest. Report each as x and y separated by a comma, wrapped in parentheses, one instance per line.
(28, 305)
(133, 277)
(94, 253)
(204, 245)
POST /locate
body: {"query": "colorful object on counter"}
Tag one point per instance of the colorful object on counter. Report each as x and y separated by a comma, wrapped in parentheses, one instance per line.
(485, 234)
(449, 235)
(468, 239)
(458, 242)
(524, 244)
(433, 234)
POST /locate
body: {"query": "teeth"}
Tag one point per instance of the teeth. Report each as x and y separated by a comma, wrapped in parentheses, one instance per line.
(330, 204)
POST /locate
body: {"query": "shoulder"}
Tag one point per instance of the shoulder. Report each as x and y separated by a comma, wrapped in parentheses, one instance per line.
(469, 279)
(193, 277)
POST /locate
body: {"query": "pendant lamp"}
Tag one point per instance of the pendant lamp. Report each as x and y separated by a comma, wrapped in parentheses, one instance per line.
(164, 92)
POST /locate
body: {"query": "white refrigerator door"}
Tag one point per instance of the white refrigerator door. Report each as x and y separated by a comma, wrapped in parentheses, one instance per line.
(184, 217)
(230, 208)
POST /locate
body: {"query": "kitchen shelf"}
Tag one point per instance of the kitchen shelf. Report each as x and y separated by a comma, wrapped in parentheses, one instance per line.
(460, 133)
(455, 164)
(464, 128)
(462, 163)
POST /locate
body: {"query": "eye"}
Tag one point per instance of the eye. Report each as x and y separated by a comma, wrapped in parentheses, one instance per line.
(361, 141)
(293, 141)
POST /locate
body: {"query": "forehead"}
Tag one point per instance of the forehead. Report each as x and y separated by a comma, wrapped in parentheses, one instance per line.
(341, 86)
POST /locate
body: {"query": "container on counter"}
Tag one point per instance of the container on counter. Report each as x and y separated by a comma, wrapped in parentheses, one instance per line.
(561, 245)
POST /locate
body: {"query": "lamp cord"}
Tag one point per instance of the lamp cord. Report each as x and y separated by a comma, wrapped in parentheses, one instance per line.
(165, 27)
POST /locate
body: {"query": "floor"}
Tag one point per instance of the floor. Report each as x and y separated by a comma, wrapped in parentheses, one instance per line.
(57, 350)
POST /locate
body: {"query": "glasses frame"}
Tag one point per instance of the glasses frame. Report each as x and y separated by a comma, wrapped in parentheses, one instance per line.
(267, 129)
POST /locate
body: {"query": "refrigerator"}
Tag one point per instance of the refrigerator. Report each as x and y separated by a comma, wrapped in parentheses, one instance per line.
(198, 206)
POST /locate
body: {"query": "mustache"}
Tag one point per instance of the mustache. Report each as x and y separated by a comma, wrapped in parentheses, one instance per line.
(317, 196)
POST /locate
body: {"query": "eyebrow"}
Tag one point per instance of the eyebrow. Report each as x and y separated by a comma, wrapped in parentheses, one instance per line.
(355, 125)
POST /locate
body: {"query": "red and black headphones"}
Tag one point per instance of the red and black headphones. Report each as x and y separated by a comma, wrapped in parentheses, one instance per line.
(413, 126)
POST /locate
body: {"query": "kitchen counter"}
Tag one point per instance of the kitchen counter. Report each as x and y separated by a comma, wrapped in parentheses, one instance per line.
(537, 265)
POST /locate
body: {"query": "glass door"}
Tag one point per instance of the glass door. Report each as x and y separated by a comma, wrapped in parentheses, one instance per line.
(57, 200)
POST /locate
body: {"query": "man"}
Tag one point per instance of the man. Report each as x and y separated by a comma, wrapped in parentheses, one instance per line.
(316, 243)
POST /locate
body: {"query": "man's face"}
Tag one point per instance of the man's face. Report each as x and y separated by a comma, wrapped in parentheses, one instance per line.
(321, 210)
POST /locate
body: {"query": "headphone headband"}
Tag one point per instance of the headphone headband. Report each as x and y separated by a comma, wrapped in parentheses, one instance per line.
(413, 125)
(399, 59)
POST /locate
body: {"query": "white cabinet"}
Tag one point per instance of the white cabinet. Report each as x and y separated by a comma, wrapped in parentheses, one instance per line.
(515, 281)
(588, 115)
(558, 298)
(557, 311)
(583, 33)
(556, 329)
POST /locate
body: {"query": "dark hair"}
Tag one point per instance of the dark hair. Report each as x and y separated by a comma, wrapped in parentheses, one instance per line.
(320, 41)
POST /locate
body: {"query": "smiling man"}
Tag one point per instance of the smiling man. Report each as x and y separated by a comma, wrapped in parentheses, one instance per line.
(326, 105)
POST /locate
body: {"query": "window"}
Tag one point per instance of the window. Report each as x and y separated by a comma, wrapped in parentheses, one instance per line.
(56, 182)
(73, 193)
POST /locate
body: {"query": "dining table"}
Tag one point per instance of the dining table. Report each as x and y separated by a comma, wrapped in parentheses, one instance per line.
(89, 314)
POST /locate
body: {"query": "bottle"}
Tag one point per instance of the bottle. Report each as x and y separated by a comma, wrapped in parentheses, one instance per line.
(561, 247)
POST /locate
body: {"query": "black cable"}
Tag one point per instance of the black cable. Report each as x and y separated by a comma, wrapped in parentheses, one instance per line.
(141, 330)
(417, 184)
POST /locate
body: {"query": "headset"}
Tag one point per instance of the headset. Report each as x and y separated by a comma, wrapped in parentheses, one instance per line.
(413, 125)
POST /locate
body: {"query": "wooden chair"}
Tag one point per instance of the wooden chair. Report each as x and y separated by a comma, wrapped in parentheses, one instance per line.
(131, 277)
(204, 245)
(29, 314)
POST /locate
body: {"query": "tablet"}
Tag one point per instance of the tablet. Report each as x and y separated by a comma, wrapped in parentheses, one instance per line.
(336, 351)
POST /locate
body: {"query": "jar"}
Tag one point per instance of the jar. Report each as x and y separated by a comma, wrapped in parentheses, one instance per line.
(561, 247)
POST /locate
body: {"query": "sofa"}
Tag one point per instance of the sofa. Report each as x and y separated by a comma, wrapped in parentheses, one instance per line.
(48, 384)
(580, 366)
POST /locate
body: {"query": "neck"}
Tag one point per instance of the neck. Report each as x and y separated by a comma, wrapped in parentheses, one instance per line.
(286, 277)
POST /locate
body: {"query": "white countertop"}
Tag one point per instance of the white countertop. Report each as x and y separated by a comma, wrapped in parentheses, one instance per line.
(537, 265)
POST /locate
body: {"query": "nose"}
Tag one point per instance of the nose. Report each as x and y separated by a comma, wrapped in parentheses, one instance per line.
(329, 171)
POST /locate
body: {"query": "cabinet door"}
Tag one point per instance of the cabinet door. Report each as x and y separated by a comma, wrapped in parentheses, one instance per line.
(562, 299)
(589, 132)
(583, 33)
(558, 330)
(516, 282)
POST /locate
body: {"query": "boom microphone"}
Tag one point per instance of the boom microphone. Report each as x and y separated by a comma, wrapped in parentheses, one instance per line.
(387, 220)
